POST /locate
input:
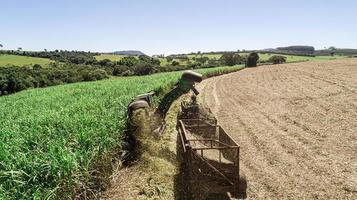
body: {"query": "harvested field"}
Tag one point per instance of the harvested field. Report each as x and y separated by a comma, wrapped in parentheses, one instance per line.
(296, 125)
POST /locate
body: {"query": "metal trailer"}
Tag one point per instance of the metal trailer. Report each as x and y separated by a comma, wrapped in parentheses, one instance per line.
(211, 158)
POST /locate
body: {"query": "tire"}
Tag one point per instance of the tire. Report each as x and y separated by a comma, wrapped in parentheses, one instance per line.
(191, 76)
(242, 187)
(145, 97)
(137, 105)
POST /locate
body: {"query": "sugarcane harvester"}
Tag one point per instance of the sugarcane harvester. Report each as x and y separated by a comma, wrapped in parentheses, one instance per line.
(184, 85)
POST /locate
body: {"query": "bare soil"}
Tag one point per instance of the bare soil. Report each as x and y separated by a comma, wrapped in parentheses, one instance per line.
(296, 125)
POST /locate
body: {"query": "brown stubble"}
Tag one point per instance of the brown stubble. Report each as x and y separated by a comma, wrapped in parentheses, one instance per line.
(296, 125)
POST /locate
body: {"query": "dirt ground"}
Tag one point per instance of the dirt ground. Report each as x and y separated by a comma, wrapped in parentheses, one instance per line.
(296, 125)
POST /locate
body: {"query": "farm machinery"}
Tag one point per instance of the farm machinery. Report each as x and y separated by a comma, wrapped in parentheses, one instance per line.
(207, 154)
(183, 86)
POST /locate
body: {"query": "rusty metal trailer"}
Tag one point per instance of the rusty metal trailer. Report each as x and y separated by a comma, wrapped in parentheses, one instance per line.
(211, 157)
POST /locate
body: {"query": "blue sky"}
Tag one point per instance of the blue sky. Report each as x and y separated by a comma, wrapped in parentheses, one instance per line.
(176, 26)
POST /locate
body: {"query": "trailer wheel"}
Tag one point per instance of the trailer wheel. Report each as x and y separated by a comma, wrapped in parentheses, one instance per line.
(242, 187)
(191, 76)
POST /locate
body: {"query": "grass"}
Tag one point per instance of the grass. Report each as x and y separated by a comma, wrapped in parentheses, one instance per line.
(54, 140)
(111, 57)
(210, 56)
(266, 56)
(22, 60)
(291, 58)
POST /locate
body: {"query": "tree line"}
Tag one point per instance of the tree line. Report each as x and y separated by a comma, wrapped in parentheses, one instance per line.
(75, 66)
(75, 57)
(17, 78)
(14, 78)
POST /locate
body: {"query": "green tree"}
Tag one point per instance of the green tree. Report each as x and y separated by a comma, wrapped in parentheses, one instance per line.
(252, 60)
(238, 59)
(169, 59)
(202, 60)
(128, 61)
(145, 58)
(144, 68)
(332, 48)
(104, 62)
(36, 67)
(148, 59)
(175, 63)
(277, 59)
(231, 59)
(227, 59)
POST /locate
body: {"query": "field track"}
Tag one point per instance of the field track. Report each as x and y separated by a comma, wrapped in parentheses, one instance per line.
(296, 125)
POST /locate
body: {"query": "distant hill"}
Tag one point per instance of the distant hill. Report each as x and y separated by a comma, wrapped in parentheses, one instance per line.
(268, 50)
(299, 50)
(339, 51)
(310, 51)
(129, 53)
